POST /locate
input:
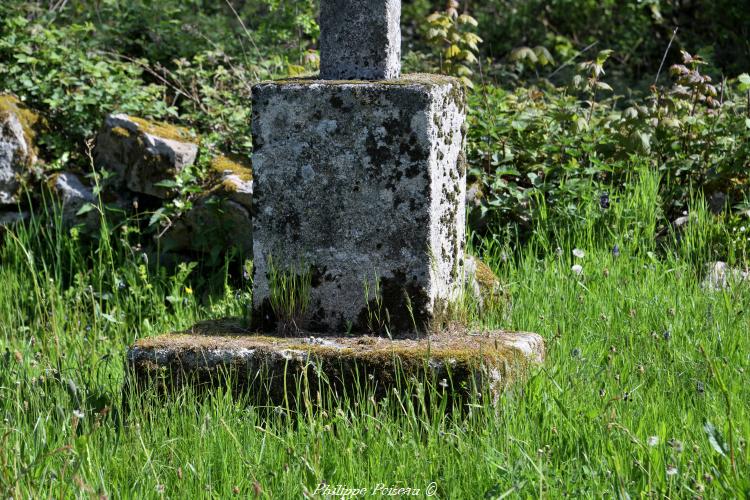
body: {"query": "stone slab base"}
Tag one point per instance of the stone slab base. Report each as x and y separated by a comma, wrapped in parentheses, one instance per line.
(276, 370)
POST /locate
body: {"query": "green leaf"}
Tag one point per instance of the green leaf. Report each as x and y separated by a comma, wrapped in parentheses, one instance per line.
(88, 207)
(156, 217)
(522, 54)
(467, 19)
(452, 51)
(715, 439)
(167, 183)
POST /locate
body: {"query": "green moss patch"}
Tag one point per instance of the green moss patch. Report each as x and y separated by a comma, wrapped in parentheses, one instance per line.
(163, 130)
(234, 164)
(487, 279)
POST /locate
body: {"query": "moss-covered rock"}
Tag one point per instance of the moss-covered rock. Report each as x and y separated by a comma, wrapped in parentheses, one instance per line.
(220, 219)
(481, 281)
(232, 178)
(270, 367)
(142, 153)
(18, 153)
(214, 225)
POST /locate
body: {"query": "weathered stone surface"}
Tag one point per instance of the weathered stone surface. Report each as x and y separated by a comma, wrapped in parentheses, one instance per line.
(360, 39)
(142, 153)
(360, 182)
(74, 195)
(17, 149)
(220, 219)
(214, 225)
(721, 276)
(270, 368)
(8, 219)
(234, 180)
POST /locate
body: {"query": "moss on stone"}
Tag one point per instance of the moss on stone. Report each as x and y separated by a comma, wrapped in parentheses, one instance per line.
(274, 365)
(164, 130)
(122, 132)
(30, 121)
(235, 164)
(486, 278)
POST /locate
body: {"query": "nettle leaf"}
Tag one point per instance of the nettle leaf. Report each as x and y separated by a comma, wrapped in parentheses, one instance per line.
(521, 54)
(452, 51)
(435, 33)
(467, 82)
(467, 19)
(544, 55)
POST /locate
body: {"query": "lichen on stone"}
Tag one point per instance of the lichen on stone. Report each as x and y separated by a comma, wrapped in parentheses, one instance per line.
(233, 164)
(29, 120)
(122, 132)
(163, 130)
(487, 279)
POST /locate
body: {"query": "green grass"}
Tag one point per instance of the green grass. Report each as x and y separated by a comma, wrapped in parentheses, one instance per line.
(640, 359)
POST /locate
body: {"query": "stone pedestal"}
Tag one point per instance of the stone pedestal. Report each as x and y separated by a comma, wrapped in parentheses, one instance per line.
(360, 39)
(273, 370)
(360, 182)
(363, 184)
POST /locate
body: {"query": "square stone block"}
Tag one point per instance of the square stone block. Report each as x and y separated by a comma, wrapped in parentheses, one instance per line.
(360, 39)
(363, 184)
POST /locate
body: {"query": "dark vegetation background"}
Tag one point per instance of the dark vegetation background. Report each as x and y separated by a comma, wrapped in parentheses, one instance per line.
(569, 97)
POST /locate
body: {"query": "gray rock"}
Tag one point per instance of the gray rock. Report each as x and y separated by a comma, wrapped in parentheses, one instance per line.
(213, 226)
(9, 219)
(361, 182)
(141, 153)
(74, 195)
(474, 195)
(360, 39)
(717, 202)
(17, 154)
(234, 180)
(720, 276)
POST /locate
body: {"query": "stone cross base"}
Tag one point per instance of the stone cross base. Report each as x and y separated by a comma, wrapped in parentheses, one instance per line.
(269, 369)
(361, 183)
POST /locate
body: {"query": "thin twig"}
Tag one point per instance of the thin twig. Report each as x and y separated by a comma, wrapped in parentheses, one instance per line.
(569, 61)
(664, 58)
